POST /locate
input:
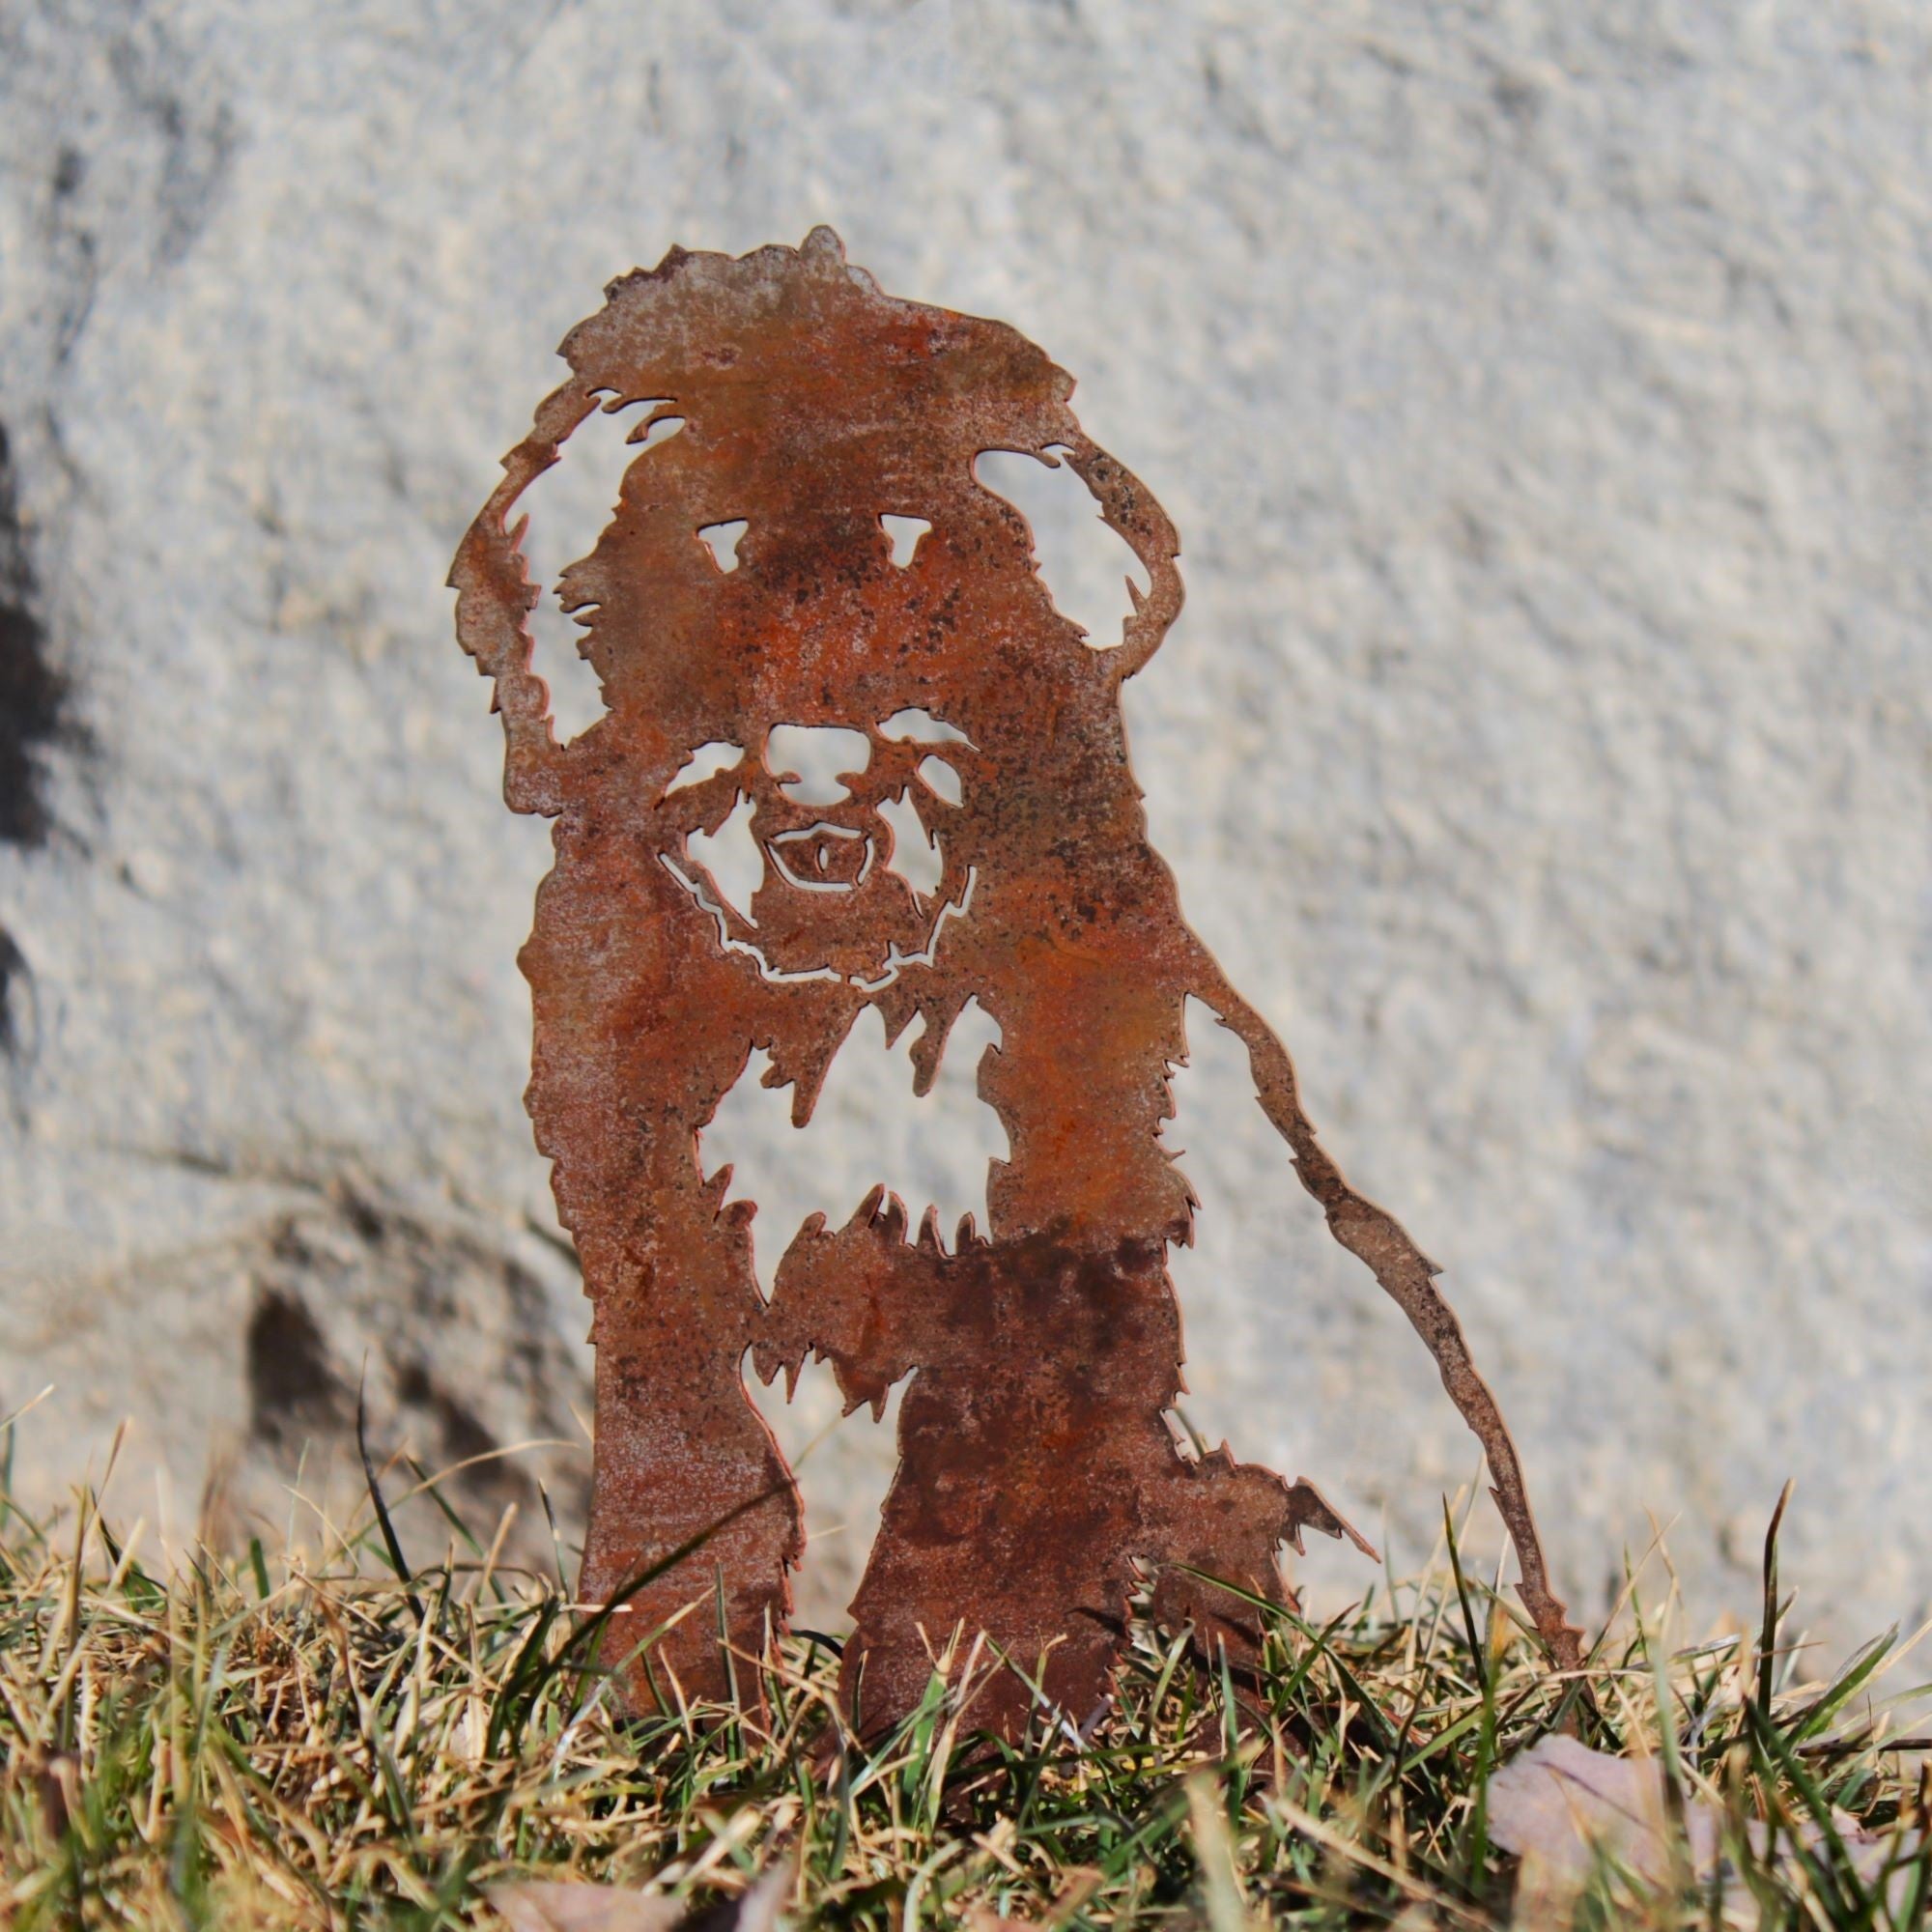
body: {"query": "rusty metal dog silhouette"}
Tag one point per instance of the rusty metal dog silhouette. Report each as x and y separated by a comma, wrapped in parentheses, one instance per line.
(1042, 1495)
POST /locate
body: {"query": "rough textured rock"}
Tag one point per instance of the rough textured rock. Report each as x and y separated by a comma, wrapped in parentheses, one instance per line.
(1546, 403)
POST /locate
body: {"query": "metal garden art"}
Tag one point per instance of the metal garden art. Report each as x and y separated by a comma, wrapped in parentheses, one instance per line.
(1042, 1495)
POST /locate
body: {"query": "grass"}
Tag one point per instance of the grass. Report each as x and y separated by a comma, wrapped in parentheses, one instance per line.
(317, 1740)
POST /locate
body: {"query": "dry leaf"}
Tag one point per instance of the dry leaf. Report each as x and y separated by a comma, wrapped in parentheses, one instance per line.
(1418, 1917)
(558, 1906)
(761, 1909)
(553, 1906)
(1557, 1804)
(1560, 1804)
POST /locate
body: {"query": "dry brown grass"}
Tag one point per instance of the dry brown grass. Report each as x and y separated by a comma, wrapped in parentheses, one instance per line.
(315, 1741)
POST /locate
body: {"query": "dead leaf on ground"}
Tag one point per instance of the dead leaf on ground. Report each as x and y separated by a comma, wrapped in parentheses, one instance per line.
(551, 1905)
(1560, 1804)
(1418, 1917)
(555, 1905)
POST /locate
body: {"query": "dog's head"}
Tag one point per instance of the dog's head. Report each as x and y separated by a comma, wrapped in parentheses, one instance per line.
(869, 691)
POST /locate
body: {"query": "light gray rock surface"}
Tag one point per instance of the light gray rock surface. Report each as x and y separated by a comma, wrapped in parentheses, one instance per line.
(1545, 398)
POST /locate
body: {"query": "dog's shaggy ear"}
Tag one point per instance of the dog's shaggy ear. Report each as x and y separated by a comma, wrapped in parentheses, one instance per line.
(1128, 508)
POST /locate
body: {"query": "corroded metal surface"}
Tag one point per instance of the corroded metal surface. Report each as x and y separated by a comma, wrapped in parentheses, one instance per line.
(1041, 1484)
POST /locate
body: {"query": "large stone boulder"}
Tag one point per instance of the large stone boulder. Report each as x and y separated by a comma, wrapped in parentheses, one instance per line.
(1545, 399)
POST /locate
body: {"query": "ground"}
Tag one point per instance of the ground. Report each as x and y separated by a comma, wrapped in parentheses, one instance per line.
(331, 1736)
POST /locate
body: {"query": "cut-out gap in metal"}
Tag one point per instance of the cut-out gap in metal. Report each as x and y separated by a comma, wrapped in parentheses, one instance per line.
(905, 533)
(916, 855)
(1086, 567)
(1243, 1221)
(568, 508)
(706, 762)
(721, 541)
(869, 1128)
(842, 1462)
(813, 762)
(822, 857)
(940, 779)
(733, 858)
(917, 726)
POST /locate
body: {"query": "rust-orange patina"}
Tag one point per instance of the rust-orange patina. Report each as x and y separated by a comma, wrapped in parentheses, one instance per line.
(1040, 1486)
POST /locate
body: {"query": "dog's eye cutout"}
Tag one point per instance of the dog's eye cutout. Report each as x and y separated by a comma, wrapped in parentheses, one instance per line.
(705, 763)
(915, 858)
(733, 858)
(940, 779)
(919, 726)
(721, 541)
